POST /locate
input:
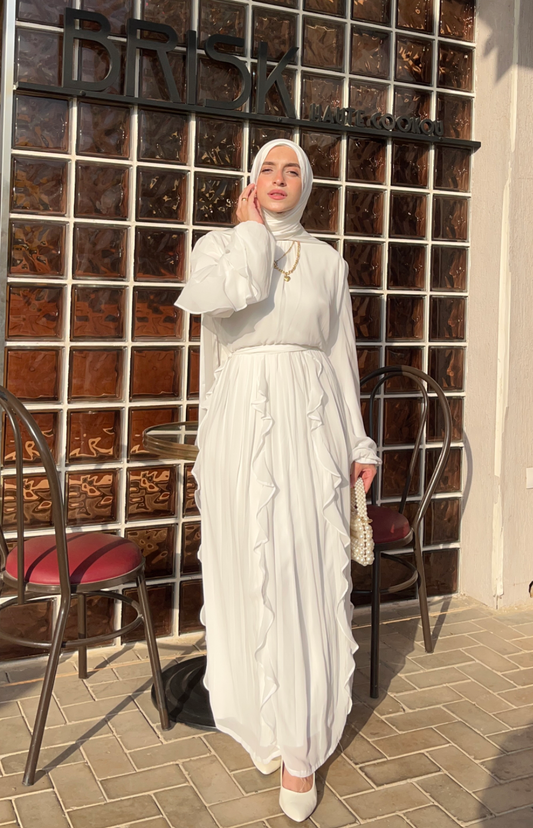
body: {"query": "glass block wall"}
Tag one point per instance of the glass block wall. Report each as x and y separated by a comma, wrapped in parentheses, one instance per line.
(107, 199)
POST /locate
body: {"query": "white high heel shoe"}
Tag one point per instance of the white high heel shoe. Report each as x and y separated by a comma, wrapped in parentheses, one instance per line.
(270, 767)
(297, 806)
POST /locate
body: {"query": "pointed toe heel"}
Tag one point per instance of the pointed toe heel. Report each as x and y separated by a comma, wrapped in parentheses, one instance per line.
(297, 806)
(270, 767)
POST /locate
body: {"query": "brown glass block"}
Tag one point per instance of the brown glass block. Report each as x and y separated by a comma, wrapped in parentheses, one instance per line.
(322, 212)
(39, 186)
(151, 492)
(273, 103)
(36, 499)
(455, 113)
(33, 622)
(366, 160)
(452, 168)
(442, 520)
(34, 11)
(401, 421)
(163, 136)
(323, 44)
(411, 357)
(320, 89)
(47, 422)
(116, 11)
(218, 143)
(103, 130)
(161, 195)
(405, 317)
(40, 123)
(332, 7)
(191, 538)
(97, 313)
(101, 191)
(33, 374)
(215, 198)
(217, 81)
(155, 372)
(372, 11)
(160, 601)
(260, 134)
(323, 150)
(175, 13)
(93, 62)
(276, 28)
(407, 266)
(366, 316)
(370, 53)
(34, 312)
(364, 212)
(99, 252)
(369, 97)
(448, 268)
(94, 436)
(414, 60)
(368, 360)
(195, 327)
(191, 602)
(192, 413)
(189, 488)
(409, 164)
(446, 366)
(222, 17)
(193, 377)
(457, 19)
(451, 476)
(411, 103)
(95, 374)
(364, 261)
(456, 67)
(36, 249)
(154, 314)
(394, 473)
(408, 215)
(100, 616)
(442, 571)
(152, 81)
(447, 318)
(39, 57)
(415, 14)
(435, 425)
(450, 218)
(159, 255)
(142, 418)
(158, 545)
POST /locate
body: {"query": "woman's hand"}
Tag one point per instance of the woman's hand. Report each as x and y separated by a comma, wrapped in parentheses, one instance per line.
(365, 470)
(248, 207)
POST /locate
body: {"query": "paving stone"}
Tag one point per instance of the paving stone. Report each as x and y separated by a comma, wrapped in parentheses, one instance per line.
(116, 814)
(516, 717)
(154, 779)
(284, 822)
(342, 777)
(48, 758)
(11, 786)
(458, 628)
(77, 786)
(246, 809)
(133, 730)
(522, 659)
(381, 803)
(229, 751)
(15, 736)
(495, 643)
(514, 819)
(156, 822)
(400, 770)
(469, 774)
(487, 701)
(106, 757)
(432, 697)
(142, 669)
(511, 765)
(71, 691)
(502, 630)
(151, 757)
(42, 809)
(412, 742)
(389, 822)
(474, 745)
(522, 677)
(511, 740)
(524, 643)
(7, 813)
(518, 697)
(126, 687)
(475, 717)
(384, 705)
(516, 794)
(9, 710)
(330, 811)
(436, 678)
(432, 661)
(486, 676)
(211, 779)
(67, 734)
(358, 749)
(17, 692)
(453, 641)
(252, 781)
(367, 722)
(453, 798)
(420, 719)
(54, 718)
(98, 709)
(431, 817)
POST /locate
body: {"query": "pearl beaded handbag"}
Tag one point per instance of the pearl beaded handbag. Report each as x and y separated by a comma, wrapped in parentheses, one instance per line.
(361, 541)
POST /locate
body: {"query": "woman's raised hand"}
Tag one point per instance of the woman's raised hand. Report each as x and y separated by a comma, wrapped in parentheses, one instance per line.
(248, 207)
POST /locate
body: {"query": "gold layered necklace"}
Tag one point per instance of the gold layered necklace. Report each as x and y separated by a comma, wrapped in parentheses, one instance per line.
(287, 273)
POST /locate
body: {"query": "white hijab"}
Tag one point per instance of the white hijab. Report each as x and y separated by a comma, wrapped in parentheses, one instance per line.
(286, 226)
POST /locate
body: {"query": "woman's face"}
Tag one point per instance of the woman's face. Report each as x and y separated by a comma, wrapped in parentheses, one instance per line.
(279, 184)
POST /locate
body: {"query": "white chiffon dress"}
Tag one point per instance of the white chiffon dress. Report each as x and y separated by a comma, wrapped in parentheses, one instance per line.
(280, 424)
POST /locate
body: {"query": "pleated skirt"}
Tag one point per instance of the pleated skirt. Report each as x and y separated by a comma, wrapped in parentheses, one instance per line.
(272, 478)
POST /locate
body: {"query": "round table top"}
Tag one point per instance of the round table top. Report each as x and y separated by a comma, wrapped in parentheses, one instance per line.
(172, 440)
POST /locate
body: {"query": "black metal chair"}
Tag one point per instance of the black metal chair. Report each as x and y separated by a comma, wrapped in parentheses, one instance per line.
(391, 529)
(78, 565)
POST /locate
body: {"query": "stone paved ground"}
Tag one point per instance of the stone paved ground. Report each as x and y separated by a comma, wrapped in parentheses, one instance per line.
(449, 742)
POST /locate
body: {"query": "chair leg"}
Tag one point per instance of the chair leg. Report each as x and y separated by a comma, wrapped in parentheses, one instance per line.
(46, 693)
(153, 653)
(82, 633)
(423, 596)
(375, 619)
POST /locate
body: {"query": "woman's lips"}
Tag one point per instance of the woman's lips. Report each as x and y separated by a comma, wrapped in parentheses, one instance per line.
(277, 195)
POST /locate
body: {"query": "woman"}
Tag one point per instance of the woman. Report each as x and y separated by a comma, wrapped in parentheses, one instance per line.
(280, 440)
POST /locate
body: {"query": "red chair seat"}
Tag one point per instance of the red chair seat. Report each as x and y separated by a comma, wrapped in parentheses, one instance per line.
(387, 524)
(93, 557)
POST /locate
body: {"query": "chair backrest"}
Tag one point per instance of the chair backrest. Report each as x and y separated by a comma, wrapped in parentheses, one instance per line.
(17, 415)
(424, 384)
